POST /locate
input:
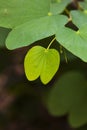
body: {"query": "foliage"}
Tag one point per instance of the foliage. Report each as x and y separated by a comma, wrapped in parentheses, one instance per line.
(37, 63)
(63, 98)
(24, 23)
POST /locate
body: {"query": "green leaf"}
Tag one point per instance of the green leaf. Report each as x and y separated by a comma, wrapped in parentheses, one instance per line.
(78, 115)
(69, 96)
(83, 5)
(3, 35)
(82, 128)
(34, 30)
(30, 20)
(41, 62)
(79, 18)
(74, 41)
(58, 6)
(16, 12)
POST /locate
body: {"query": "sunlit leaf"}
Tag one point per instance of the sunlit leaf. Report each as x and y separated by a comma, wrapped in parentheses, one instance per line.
(41, 62)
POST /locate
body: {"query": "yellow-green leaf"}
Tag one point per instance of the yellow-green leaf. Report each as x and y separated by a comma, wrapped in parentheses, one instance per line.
(42, 62)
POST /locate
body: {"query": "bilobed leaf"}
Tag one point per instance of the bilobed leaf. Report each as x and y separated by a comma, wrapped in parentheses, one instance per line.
(74, 41)
(69, 96)
(16, 12)
(34, 30)
(41, 62)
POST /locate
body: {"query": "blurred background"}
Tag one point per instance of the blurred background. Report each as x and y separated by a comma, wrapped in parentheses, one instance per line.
(26, 105)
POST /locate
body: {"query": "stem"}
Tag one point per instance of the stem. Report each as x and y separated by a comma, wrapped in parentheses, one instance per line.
(79, 7)
(62, 51)
(51, 43)
(68, 13)
(66, 59)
